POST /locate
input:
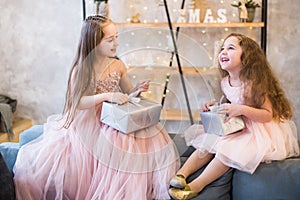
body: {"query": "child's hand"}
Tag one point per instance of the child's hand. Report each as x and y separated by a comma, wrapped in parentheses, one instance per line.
(205, 107)
(231, 110)
(143, 86)
(118, 97)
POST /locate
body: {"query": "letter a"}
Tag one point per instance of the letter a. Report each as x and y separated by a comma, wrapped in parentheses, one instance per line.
(208, 16)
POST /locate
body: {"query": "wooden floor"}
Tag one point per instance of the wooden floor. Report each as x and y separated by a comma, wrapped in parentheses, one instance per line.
(19, 125)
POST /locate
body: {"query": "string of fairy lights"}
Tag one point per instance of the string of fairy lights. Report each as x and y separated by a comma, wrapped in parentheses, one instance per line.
(158, 6)
(153, 11)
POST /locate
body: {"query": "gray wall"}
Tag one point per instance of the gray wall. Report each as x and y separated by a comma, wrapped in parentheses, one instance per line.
(38, 42)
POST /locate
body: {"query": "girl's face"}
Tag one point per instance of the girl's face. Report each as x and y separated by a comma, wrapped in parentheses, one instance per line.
(109, 43)
(230, 55)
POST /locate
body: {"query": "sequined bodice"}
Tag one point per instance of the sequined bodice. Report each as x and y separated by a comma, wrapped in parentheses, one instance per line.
(109, 84)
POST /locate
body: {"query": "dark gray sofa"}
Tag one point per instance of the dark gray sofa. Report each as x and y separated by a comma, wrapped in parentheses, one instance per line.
(277, 180)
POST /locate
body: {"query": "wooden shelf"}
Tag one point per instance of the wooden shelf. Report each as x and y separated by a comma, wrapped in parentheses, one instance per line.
(178, 115)
(19, 125)
(171, 70)
(193, 25)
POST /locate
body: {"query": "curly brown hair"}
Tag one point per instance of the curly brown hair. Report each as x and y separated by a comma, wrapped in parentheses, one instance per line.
(259, 79)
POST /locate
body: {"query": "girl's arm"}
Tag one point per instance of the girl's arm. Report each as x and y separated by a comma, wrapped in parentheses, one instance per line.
(127, 87)
(263, 114)
(126, 84)
(90, 101)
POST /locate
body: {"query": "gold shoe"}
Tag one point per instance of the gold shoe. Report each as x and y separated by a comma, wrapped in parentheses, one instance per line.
(181, 194)
(178, 181)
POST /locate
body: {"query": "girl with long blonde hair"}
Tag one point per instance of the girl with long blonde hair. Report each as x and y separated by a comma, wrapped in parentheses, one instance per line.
(78, 157)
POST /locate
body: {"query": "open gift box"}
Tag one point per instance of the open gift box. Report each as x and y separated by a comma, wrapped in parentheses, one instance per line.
(214, 123)
(130, 117)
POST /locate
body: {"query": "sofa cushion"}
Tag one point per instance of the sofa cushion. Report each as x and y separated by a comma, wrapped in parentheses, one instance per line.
(7, 189)
(9, 152)
(31, 134)
(276, 180)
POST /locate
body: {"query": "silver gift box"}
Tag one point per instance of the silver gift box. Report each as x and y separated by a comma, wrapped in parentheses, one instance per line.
(130, 117)
(214, 123)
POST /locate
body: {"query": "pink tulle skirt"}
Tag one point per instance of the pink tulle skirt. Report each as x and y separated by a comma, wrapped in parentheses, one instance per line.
(245, 150)
(90, 160)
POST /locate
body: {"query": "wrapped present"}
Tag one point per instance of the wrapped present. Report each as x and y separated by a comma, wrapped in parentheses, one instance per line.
(213, 122)
(131, 116)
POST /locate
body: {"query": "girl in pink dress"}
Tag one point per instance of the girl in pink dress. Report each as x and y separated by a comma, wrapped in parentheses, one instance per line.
(80, 158)
(252, 91)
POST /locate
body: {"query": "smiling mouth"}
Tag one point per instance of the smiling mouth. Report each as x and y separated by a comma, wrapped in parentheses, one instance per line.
(224, 59)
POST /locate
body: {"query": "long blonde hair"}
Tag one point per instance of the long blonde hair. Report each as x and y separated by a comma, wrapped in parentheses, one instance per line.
(82, 75)
(259, 79)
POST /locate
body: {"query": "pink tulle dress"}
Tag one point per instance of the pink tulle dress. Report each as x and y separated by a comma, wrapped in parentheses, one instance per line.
(91, 160)
(245, 150)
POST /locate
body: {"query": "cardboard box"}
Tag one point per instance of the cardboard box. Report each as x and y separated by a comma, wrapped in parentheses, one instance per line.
(131, 117)
(214, 123)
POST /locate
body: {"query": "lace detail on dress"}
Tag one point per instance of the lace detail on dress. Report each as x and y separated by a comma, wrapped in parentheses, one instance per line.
(109, 84)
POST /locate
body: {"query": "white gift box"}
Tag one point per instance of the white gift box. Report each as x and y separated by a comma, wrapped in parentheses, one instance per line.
(130, 117)
(214, 123)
